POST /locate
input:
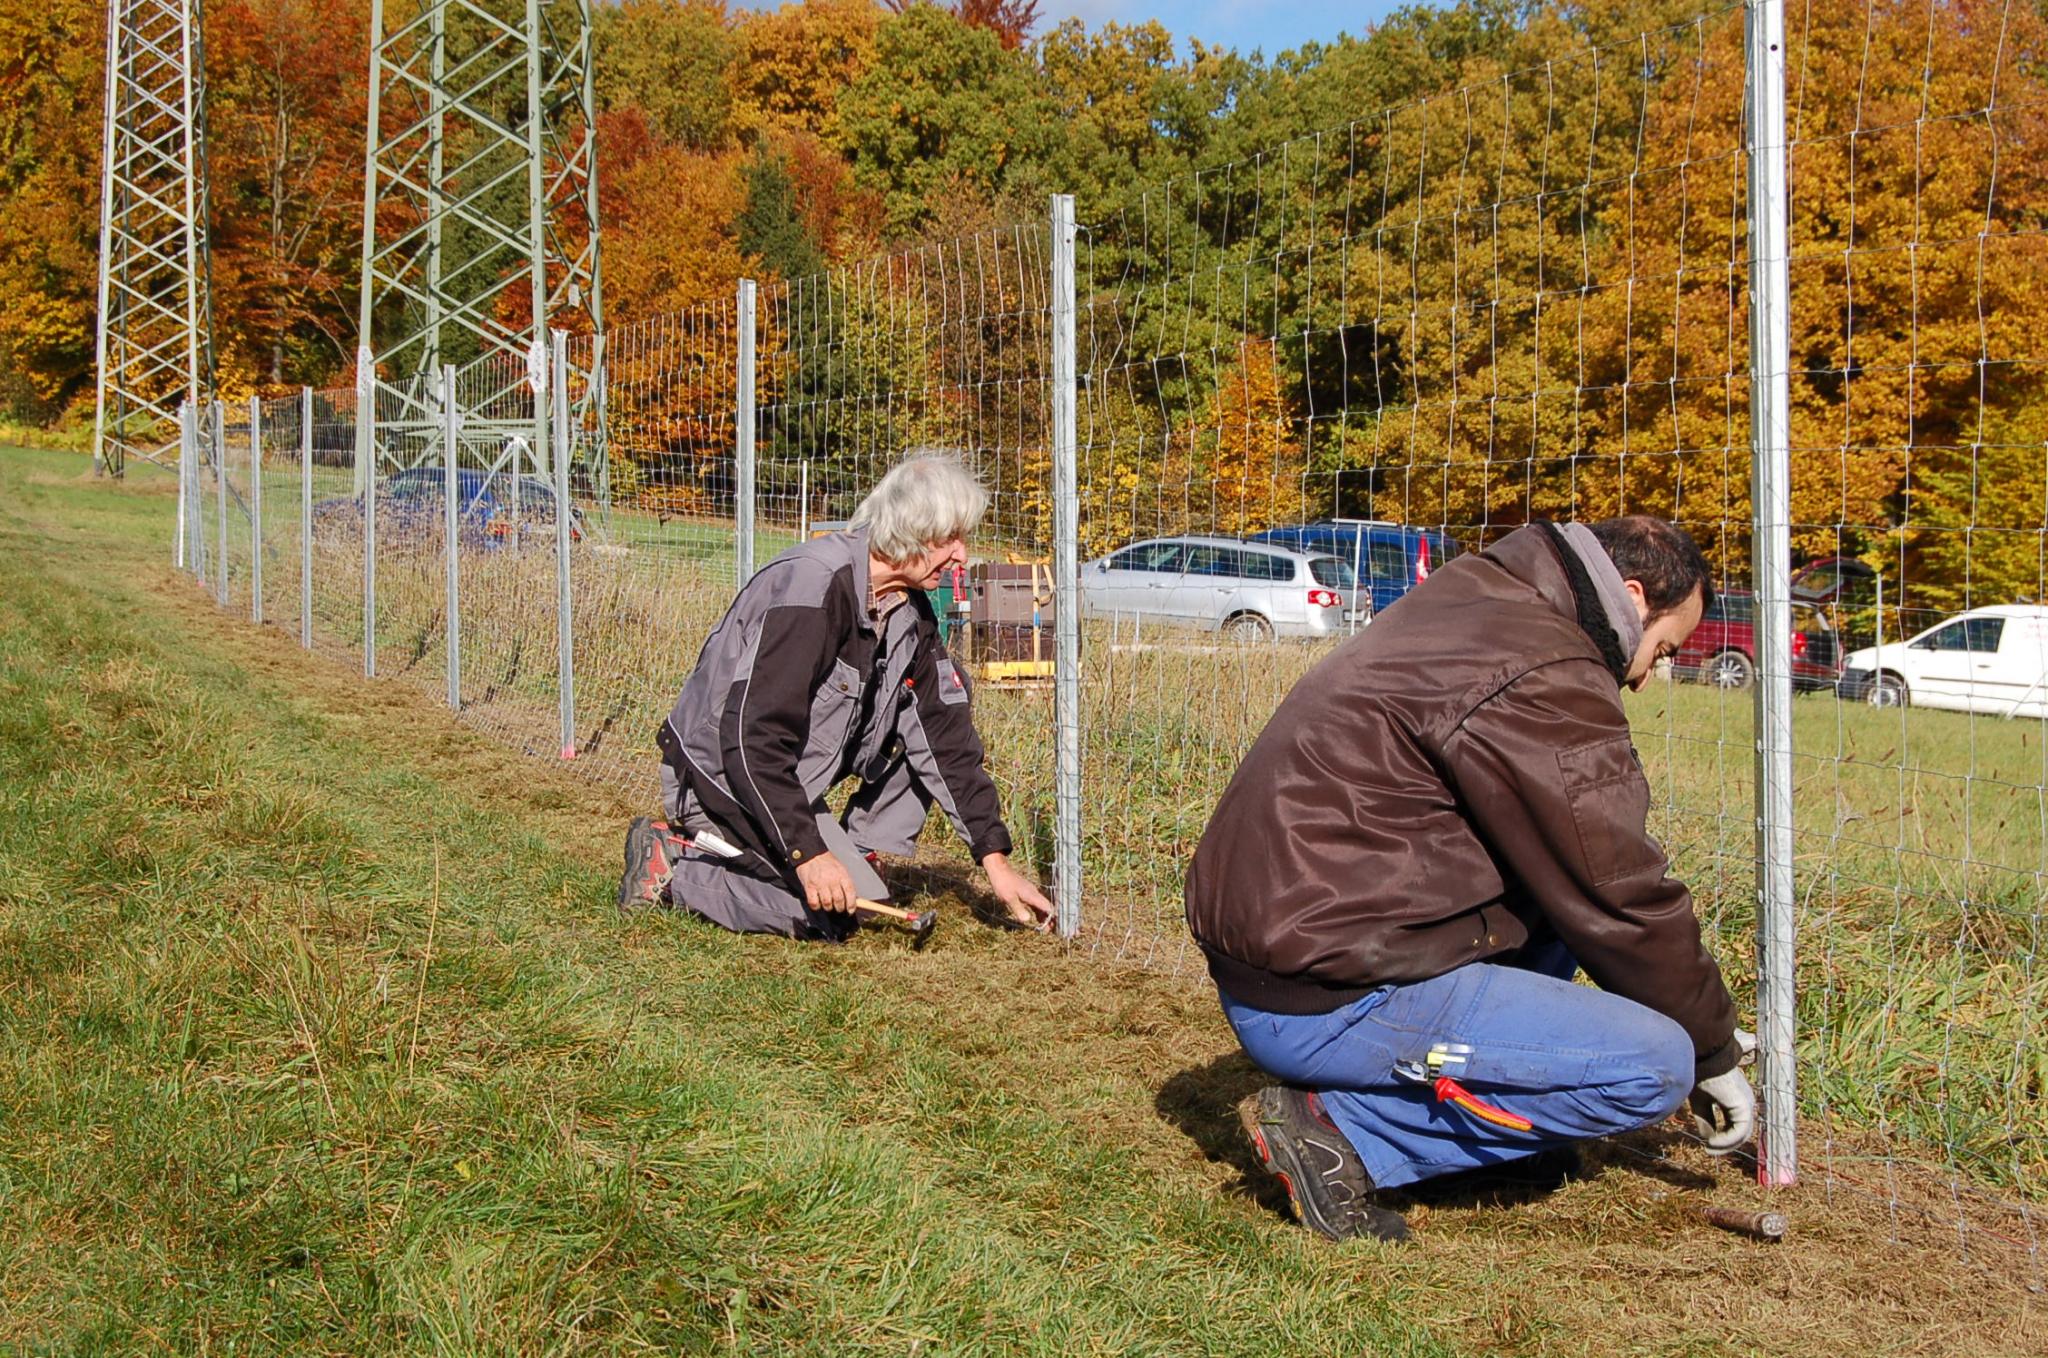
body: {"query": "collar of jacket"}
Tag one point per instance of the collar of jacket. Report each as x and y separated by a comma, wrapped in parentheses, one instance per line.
(863, 587)
(1607, 581)
(1539, 555)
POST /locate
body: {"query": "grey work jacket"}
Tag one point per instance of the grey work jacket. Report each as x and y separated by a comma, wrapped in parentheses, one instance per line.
(798, 687)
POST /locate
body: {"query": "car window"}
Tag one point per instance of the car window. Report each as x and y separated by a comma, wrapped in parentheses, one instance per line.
(1386, 559)
(1216, 561)
(1982, 634)
(1266, 566)
(1949, 638)
(413, 485)
(1331, 573)
(1148, 556)
(1738, 608)
(1819, 580)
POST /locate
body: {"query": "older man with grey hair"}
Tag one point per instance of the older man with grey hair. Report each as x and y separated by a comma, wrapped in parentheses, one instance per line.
(827, 666)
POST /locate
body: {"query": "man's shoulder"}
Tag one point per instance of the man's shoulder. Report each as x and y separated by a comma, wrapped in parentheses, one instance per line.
(811, 574)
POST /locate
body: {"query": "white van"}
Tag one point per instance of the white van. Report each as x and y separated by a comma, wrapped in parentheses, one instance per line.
(1991, 660)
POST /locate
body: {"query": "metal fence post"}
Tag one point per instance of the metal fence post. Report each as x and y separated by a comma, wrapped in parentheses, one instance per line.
(743, 429)
(1770, 344)
(218, 437)
(451, 431)
(180, 553)
(195, 533)
(256, 511)
(366, 486)
(565, 632)
(306, 517)
(1066, 514)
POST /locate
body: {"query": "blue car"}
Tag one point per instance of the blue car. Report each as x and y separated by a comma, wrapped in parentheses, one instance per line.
(409, 508)
(1390, 558)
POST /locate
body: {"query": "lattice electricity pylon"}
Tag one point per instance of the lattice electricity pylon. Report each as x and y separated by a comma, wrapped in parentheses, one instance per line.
(155, 346)
(479, 223)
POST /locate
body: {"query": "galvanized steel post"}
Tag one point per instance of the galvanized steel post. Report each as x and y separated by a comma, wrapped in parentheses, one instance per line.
(1770, 343)
(1066, 515)
(306, 517)
(255, 511)
(451, 544)
(565, 632)
(180, 551)
(366, 478)
(743, 443)
(218, 442)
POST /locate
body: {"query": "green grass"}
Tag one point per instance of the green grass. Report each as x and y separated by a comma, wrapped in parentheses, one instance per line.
(1922, 839)
(308, 1050)
(318, 1034)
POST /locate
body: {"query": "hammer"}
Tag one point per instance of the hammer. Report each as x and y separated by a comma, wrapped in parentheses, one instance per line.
(920, 923)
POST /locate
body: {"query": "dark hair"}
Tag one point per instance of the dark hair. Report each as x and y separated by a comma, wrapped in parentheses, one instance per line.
(1660, 556)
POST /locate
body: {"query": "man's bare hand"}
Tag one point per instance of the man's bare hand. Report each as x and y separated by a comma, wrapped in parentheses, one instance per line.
(1026, 903)
(827, 884)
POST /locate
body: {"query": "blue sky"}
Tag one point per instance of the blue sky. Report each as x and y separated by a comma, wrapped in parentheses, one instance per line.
(1243, 24)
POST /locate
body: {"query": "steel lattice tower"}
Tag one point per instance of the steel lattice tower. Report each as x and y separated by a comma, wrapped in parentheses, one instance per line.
(479, 220)
(155, 346)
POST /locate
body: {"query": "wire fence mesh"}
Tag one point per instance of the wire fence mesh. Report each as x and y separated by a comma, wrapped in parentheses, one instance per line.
(1918, 456)
(1304, 381)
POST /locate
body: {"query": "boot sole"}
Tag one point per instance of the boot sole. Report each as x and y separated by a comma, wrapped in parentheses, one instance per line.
(1278, 1155)
(647, 871)
(1284, 1165)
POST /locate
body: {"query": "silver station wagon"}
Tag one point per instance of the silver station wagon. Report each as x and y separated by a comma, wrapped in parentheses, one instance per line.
(1249, 591)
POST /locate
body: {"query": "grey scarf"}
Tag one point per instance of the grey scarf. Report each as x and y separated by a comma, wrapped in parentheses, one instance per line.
(1614, 598)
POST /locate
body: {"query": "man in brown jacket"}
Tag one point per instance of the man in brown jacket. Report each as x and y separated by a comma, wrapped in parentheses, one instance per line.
(1442, 822)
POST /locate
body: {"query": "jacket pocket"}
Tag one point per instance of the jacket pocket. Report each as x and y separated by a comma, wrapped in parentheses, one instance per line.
(832, 709)
(1610, 802)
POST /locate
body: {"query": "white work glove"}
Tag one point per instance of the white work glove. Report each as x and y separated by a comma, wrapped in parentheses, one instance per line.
(1724, 1105)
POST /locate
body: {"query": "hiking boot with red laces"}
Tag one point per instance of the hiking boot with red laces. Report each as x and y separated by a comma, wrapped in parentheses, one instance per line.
(1326, 1181)
(651, 849)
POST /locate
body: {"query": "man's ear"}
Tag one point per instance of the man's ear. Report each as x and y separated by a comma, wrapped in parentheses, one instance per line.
(1635, 592)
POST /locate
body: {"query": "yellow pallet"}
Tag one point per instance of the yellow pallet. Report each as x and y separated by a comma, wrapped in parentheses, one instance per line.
(1014, 671)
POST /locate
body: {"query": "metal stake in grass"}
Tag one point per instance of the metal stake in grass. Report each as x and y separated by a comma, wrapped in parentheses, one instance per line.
(1766, 1226)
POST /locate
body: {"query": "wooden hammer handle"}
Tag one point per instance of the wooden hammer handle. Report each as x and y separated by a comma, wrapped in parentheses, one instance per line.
(877, 908)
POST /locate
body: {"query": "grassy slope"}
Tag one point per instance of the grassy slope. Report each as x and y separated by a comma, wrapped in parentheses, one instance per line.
(317, 1033)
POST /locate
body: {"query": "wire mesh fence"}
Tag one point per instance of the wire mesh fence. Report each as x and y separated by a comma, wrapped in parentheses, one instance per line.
(1304, 381)
(1919, 495)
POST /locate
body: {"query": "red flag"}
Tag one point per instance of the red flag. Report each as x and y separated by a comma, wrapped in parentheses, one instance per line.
(1422, 560)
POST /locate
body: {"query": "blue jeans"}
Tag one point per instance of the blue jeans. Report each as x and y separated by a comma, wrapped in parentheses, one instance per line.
(1574, 1061)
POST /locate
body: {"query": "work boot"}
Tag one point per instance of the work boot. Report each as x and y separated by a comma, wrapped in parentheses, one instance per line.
(651, 851)
(1325, 1180)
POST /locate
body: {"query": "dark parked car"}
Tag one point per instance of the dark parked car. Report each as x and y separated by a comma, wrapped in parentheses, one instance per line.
(1722, 650)
(410, 508)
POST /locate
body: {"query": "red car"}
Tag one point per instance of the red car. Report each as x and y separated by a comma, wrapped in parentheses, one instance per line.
(1722, 649)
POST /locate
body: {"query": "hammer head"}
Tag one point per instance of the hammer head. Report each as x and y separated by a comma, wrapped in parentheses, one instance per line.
(921, 925)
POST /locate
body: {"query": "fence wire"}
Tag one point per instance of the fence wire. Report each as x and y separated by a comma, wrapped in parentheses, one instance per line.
(1919, 480)
(1305, 380)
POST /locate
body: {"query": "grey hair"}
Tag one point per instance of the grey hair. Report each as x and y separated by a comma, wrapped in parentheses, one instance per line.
(928, 497)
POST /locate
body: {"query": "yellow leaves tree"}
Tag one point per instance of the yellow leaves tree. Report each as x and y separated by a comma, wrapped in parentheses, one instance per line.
(1917, 273)
(791, 63)
(1255, 465)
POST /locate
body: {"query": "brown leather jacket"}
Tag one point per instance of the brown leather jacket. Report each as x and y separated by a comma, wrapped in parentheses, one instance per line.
(1450, 784)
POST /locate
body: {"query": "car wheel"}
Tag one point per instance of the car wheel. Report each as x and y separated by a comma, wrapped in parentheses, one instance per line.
(1887, 690)
(1247, 627)
(1730, 669)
